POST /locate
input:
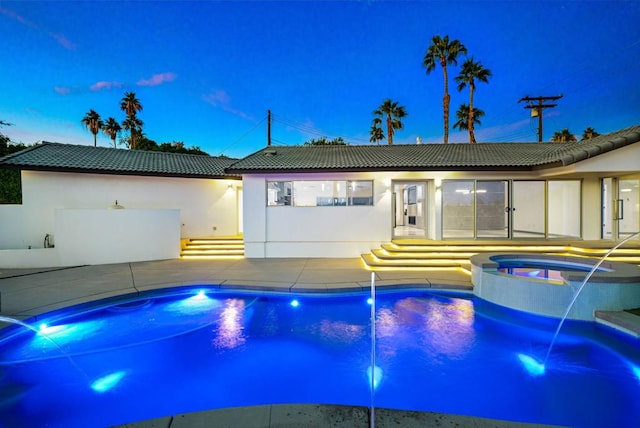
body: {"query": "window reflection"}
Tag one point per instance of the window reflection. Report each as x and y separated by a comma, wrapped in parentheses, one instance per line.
(230, 329)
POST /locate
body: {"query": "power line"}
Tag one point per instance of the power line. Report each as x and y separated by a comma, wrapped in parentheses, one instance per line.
(243, 136)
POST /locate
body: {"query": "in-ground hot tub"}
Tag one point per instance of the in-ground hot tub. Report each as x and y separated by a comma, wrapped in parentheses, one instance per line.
(546, 284)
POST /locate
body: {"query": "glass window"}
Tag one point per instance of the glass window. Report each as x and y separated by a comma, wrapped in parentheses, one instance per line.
(458, 209)
(563, 209)
(279, 193)
(319, 193)
(360, 192)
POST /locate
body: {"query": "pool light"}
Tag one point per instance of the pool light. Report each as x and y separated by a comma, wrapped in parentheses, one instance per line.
(107, 382)
(374, 377)
(295, 303)
(533, 366)
(370, 301)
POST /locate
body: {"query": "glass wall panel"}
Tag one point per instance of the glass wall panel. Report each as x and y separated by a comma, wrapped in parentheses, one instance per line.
(608, 210)
(563, 209)
(320, 193)
(279, 193)
(360, 192)
(457, 209)
(629, 212)
(492, 209)
(528, 209)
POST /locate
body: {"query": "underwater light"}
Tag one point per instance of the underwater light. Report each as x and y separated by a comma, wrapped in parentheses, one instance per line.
(107, 382)
(47, 330)
(201, 294)
(295, 303)
(636, 371)
(377, 376)
(370, 301)
(532, 365)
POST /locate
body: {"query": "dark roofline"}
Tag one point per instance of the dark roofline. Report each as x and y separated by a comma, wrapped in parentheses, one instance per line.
(383, 169)
(118, 172)
(127, 169)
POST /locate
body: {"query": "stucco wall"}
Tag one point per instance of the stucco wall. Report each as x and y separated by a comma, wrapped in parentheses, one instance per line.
(334, 231)
(104, 236)
(203, 204)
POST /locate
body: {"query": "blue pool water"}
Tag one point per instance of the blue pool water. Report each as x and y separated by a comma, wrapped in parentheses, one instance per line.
(548, 270)
(178, 351)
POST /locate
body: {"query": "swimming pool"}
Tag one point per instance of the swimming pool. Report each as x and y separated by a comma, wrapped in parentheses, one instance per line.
(181, 350)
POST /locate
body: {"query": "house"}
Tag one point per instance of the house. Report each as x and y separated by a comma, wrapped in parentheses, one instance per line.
(342, 201)
(68, 190)
(318, 201)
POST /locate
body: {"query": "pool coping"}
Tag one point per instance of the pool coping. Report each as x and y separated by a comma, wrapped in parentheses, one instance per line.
(617, 271)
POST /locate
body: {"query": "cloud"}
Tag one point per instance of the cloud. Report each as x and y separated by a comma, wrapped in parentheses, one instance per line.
(62, 90)
(104, 85)
(217, 98)
(157, 79)
(220, 98)
(58, 37)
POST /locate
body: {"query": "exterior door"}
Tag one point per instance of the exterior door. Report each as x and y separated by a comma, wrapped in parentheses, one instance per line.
(409, 209)
(620, 211)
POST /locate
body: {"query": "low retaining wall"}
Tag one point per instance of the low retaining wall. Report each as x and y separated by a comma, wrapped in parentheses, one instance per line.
(103, 236)
(615, 290)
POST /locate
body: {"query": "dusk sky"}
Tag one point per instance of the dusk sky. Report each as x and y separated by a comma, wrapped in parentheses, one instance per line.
(206, 72)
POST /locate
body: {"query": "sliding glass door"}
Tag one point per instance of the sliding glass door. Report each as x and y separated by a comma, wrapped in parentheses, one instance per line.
(528, 209)
(492, 209)
(504, 209)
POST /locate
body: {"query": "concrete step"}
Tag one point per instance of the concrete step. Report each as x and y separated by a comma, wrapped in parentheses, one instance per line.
(212, 248)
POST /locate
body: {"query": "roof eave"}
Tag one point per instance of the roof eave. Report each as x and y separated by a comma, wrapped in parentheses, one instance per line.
(119, 172)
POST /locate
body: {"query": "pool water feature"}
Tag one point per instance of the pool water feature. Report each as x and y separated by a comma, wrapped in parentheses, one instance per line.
(194, 349)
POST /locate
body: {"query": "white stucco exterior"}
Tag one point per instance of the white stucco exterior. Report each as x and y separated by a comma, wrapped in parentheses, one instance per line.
(349, 231)
(73, 210)
(203, 204)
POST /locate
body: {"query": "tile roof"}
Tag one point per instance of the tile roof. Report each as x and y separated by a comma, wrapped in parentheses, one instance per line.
(424, 157)
(102, 160)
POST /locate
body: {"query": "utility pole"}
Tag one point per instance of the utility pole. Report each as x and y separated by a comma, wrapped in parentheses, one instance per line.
(536, 109)
(268, 127)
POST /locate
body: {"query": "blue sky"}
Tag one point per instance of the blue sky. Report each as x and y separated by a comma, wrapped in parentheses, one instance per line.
(206, 72)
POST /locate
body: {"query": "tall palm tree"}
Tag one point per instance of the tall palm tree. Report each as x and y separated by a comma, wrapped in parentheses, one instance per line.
(130, 104)
(462, 116)
(111, 127)
(377, 134)
(93, 123)
(589, 133)
(392, 114)
(563, 136)
(471, 72)
(443, 52)
(133, 124)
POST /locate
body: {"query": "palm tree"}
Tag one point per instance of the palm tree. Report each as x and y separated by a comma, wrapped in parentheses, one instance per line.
(589, 133)
(130, 104)
(462, 116)
(111, 127)
(563, 136)
(134, 125)
(377, 134)
(443, 52)
(471, 72)
(93, 123)
(392, 113)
